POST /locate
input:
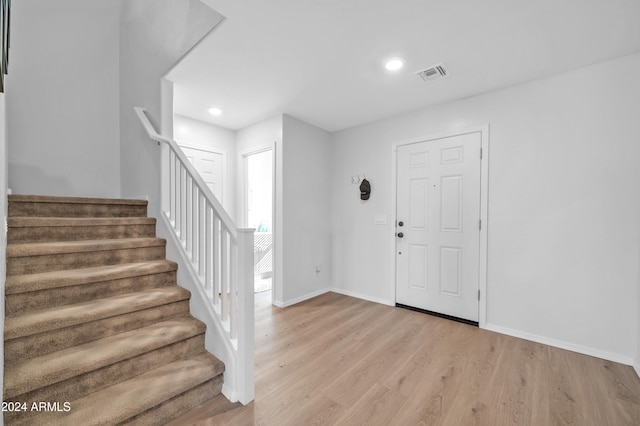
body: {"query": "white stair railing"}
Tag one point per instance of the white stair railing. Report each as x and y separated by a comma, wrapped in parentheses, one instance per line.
(220, 258)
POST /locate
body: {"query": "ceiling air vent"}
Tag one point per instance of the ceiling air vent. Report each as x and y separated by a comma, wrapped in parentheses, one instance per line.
(433, 73)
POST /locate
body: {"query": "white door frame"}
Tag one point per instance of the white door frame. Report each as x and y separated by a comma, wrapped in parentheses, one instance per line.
(243, 204)
(484, 193)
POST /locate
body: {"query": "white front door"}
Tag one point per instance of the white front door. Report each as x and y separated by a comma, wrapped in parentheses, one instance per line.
(209, 165)
(438, 225)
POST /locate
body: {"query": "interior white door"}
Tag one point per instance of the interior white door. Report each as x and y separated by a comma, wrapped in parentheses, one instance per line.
(438, 225)
(209, 165)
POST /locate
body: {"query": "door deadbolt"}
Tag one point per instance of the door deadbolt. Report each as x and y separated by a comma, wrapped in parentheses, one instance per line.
(401, 223)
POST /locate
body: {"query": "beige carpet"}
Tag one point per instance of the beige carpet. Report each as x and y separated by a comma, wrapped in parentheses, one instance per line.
(97, 330)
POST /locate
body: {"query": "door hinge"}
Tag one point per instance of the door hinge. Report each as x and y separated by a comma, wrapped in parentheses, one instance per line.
(481, 153)
(480, 224)
(478, 294)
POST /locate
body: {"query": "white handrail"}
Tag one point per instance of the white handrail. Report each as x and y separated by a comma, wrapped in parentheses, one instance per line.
(218, 257)
(224, 216)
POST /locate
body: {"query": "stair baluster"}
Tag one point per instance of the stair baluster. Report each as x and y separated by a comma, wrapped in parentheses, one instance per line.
(220, 258)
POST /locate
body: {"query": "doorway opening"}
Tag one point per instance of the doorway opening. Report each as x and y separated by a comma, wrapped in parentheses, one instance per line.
(259, 214)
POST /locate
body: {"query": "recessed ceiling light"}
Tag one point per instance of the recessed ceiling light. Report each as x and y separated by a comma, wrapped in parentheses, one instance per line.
(215, 111)
(394, 64)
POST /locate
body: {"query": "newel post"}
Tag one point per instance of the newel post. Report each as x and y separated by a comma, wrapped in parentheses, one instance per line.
(246, 386)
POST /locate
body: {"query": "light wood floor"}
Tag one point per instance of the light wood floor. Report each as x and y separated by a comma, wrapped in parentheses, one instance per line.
(345, 361)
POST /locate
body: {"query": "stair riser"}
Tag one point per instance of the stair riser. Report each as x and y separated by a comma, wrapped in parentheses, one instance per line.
(44, 209)
(178, 405)
(23, 348)
(22, 303)
(59, 262)
(84, 384)
(78, 233)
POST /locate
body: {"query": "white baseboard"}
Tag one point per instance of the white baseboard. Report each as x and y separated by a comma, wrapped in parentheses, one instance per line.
(585, 350)
(281, 304)
(137, 197)
(230, 394)
(363, 296)
(636, 366)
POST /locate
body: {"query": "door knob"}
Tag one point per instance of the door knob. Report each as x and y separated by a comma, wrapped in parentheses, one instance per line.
(401, 223)
(400, 235)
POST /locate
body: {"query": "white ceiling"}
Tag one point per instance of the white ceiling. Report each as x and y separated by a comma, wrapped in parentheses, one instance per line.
(321, 60)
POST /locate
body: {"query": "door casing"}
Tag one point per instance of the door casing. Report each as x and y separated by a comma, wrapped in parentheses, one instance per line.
(484, 193)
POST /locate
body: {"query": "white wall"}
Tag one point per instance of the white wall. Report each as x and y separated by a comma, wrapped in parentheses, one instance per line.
(264, 135)
(306, 208)
(563, 206)
(62, 98)
(302, 225)
(360, 250)
(154, 35)
(196, 133)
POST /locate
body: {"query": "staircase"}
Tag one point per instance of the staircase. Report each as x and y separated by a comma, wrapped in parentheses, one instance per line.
(96, 325)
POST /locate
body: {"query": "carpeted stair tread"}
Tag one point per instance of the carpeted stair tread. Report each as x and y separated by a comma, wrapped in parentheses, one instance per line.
(57, 366)
(51, 206)
(16, 284)
(68, 315)
(65, 247)
(27, 222)
(25, 198)
(120, 402)
(33, 229)
(30, 258)
(94, 316)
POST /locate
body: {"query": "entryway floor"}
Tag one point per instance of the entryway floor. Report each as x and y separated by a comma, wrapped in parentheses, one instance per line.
(335, 359)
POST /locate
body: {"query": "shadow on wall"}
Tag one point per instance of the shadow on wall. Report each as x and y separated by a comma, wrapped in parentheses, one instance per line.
(39, 183)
